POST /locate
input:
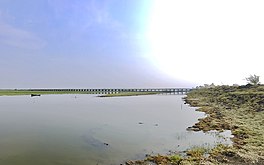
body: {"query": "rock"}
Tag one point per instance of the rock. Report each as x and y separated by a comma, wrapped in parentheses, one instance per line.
(106, 144)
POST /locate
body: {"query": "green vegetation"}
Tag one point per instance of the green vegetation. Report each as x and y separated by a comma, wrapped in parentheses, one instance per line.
(236, 108)
(196, 153)
(129, 94)
(175, 159)
(240, 109)
(27, 92)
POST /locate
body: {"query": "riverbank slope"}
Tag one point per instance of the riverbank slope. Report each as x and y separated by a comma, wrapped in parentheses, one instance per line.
(236, 108)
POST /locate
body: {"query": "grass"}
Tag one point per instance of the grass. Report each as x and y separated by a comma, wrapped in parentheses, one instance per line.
(196, 152)
(240, 109)
(176, 159)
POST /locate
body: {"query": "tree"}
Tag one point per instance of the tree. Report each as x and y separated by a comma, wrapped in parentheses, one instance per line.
(253, 79)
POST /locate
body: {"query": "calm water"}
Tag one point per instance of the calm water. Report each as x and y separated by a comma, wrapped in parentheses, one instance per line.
(87, 130)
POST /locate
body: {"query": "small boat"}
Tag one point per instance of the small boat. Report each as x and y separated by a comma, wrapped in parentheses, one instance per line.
(33, 95)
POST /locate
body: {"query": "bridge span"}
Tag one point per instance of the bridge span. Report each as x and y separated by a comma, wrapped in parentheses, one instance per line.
(118, 90)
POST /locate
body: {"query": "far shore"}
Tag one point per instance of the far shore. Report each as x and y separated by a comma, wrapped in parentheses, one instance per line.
(35, 92)
(121, 94)
(28, 92)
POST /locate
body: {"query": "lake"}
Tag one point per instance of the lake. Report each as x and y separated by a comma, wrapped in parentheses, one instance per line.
(88, 130)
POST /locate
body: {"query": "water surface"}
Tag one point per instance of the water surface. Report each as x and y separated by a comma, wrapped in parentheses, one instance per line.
(87, 130)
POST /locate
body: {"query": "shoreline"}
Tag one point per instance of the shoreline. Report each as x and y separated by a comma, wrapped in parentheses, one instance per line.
(239, 109)
(118, 94)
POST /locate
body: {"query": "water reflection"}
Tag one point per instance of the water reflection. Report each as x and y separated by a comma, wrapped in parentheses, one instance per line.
(84, 129)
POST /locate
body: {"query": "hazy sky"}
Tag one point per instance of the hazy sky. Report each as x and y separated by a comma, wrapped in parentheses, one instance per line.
(129, 43)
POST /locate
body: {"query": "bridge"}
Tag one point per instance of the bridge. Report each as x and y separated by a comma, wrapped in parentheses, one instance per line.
(118, 90)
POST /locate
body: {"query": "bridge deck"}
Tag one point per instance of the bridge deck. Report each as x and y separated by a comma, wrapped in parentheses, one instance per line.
(116, 90)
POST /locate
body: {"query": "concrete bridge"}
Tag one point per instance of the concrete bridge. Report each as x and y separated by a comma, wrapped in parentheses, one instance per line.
(118, 90)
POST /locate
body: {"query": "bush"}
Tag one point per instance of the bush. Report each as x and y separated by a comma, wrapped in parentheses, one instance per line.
(176, 159)
(253, 79)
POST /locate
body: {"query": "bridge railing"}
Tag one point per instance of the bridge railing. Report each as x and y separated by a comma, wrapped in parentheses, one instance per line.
(118, 90)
